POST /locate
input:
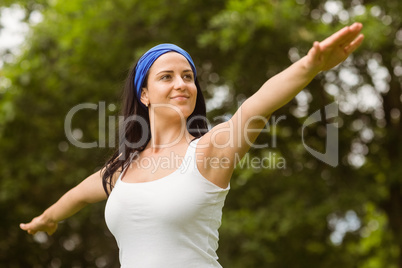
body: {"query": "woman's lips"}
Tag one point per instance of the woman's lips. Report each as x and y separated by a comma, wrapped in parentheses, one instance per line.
(179, 98)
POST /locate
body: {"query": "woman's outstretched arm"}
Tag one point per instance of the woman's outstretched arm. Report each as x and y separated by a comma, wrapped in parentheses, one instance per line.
(323, 56)
(88, 191)
(251, 117)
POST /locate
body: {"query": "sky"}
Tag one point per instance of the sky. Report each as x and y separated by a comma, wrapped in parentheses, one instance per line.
(13, 30)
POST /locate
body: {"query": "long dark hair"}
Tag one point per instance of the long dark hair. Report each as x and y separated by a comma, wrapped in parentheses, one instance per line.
(132, 131)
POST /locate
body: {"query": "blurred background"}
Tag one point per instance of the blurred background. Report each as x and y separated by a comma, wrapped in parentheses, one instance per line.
(58, 54)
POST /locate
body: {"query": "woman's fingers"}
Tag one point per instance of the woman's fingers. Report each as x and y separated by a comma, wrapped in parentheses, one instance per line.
(51, 232)
(350, 38)
(27, 227)
(354, 44)
(344, 36)
(336, 38)
(37, 225)
(32, 232)
(24, 226)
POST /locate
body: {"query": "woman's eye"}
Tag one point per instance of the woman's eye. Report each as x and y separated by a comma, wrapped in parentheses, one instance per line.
(165, 77)
(188, 77)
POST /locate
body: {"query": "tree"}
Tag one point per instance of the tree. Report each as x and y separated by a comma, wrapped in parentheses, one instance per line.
(368, 90)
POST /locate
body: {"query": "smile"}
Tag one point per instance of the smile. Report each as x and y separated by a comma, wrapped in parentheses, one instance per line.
(180, 98)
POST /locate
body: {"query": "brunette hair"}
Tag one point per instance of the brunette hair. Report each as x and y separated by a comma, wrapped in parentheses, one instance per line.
(132, 131)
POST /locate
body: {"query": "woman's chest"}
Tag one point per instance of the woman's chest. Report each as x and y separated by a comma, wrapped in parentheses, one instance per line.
(171, 201)
(151, 168)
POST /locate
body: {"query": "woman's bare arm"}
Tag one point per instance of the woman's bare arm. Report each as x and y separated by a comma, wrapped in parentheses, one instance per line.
(88, 191)
(323, 56)
(251, 117)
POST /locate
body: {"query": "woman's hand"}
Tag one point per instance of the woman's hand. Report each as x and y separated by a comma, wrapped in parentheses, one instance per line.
(39, 224)
(87, 192)
(335, 49)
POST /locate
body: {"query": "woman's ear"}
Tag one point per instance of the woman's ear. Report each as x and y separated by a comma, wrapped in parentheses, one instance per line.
(144, 96)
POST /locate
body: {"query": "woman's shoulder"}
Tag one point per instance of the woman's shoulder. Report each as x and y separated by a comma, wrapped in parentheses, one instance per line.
(116, 172)
(212, 162)
(116, 176)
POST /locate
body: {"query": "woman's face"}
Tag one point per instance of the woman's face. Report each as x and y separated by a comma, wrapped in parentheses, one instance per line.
(171, 89)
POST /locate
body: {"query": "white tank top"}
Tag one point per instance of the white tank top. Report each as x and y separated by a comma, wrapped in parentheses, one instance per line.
(171, 222)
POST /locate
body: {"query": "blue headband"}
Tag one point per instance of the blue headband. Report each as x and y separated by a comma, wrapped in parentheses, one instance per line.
(146, 61)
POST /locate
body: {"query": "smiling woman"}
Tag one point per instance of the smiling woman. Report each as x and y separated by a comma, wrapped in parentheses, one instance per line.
(170, 82)
(169, 216)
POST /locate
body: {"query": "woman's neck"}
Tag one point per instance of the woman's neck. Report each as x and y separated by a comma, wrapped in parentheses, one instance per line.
(166, 133)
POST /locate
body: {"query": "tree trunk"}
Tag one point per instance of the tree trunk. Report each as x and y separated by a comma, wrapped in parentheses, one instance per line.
(393, 206)
(393, 209)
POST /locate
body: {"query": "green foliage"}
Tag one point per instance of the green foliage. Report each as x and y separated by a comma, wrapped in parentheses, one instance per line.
(273, 217)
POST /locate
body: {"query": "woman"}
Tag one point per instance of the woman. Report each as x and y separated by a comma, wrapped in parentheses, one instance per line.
(167, 182)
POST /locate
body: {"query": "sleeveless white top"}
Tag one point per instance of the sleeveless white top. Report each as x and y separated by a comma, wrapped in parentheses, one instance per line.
(171, 222)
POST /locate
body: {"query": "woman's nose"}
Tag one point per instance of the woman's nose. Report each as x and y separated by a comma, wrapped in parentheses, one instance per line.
(179, 83)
